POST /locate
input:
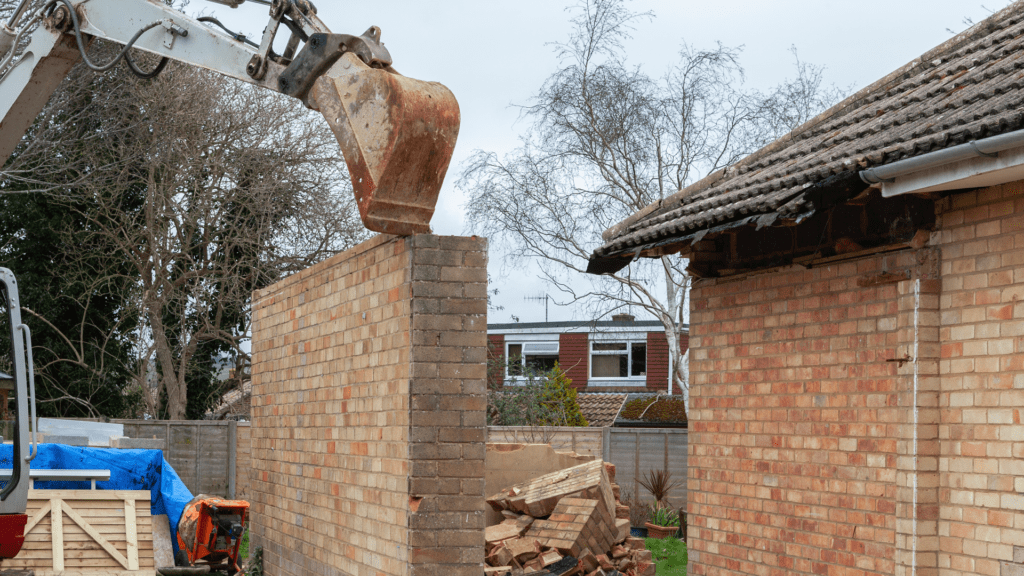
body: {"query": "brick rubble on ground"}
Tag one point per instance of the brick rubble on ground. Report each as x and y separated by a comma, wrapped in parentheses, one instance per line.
(566, 523)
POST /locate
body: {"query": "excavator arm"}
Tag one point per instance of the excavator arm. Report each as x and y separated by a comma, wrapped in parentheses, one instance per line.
(397, 134)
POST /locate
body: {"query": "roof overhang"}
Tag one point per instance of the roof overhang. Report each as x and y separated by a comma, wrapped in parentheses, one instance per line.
(830, 192)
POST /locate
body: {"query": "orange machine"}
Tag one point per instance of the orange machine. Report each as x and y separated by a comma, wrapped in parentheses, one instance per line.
(210, 531)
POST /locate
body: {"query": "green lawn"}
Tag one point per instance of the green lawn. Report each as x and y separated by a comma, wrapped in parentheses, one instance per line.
(669, 556)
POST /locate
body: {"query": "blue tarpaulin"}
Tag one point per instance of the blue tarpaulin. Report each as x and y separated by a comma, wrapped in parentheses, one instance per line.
(129, 470)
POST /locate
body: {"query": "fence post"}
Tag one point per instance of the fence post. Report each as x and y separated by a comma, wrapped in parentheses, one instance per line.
(196, 456)
(606, 443)
(232, 457)
(636, 467)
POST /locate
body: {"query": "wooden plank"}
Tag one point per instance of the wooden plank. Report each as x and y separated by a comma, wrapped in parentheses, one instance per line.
(37, 517)
(109, 495)
(94, 573)
(96, 535)
(57, 534)
(131, 535)
(163, 550)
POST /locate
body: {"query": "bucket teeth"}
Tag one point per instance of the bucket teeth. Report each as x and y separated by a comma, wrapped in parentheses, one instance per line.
(397, 134)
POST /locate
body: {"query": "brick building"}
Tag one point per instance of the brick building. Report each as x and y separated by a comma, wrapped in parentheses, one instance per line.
(857, 324)
(623, 355)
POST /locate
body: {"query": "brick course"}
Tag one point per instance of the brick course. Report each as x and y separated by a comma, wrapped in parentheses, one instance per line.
(368, 412)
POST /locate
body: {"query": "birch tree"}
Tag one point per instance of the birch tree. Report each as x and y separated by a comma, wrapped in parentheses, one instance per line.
(606, 139)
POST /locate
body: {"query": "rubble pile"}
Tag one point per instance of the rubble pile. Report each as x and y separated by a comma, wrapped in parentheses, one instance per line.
(566, 523)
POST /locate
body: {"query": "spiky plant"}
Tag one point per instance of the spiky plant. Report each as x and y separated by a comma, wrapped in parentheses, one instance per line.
(659, 483)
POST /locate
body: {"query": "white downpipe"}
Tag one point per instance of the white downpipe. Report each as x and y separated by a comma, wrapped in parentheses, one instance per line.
(917, 372)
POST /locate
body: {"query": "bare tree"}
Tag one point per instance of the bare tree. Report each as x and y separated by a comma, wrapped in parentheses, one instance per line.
(606, 141)
(199, 190)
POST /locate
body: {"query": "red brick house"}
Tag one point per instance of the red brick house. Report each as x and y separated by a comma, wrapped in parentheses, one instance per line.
(624, 355)
(857, 323)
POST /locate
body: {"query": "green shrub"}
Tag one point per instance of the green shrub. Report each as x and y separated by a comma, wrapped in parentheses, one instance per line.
(664, 516)
(536, 399)
(561, 396)
(670, 556)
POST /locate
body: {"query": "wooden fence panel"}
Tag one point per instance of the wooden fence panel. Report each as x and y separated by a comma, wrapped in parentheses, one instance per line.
(583, 441)
(204, 454)
(636, 451)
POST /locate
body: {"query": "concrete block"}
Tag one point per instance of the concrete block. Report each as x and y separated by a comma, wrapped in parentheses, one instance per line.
(138, 443)
(98, 433)
(65, 440)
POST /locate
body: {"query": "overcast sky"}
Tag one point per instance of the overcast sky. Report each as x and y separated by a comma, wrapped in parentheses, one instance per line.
(495, 54)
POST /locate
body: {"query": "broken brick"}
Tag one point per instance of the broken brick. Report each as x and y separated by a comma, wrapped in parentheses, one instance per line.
(540, 496)
(589, 561)
(645, 569)
(522, 549)
(609, 469)
(501, 556)
(550, 557)
(604, 562)
(502, 531)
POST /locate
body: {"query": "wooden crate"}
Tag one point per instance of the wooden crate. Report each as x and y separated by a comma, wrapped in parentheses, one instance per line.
(107, 532)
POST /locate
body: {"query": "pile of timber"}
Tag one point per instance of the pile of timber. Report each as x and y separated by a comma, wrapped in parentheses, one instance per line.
(566, 523)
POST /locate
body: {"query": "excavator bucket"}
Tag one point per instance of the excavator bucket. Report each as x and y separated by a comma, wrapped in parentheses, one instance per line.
(397, 134)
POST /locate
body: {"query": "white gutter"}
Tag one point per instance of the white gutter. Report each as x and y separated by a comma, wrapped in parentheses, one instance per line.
(989, 147)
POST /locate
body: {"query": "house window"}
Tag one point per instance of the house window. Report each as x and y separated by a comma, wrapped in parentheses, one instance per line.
(535, 356)
(618, 359)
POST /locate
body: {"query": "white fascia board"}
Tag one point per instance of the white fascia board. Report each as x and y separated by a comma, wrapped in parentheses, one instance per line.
(548, 333)
(528, 337)
(980, 172)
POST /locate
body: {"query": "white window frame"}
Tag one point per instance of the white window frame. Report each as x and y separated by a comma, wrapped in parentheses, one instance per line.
(629, 359)
(542, 348)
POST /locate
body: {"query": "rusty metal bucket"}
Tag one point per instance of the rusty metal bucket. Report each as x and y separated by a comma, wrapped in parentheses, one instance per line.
(397, 134)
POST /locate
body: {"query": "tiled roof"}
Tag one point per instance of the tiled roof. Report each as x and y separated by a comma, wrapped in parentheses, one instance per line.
(969, 88)
(235, 402)
(600, 409)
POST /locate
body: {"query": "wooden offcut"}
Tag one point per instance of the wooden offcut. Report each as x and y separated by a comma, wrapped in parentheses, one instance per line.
(87, 533)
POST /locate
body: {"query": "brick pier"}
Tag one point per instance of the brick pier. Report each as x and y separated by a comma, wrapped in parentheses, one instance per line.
(368, 412)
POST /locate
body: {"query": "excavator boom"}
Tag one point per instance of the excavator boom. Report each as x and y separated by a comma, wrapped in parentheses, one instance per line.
(397, 134)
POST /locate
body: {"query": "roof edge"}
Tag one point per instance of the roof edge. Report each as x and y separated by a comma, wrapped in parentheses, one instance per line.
(973, 33)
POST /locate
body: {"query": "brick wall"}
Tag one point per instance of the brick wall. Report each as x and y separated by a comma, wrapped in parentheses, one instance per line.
(657, 361)
(793, 412)
(574, 358)
(843, 424)
(368, 412)
(982, 366)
